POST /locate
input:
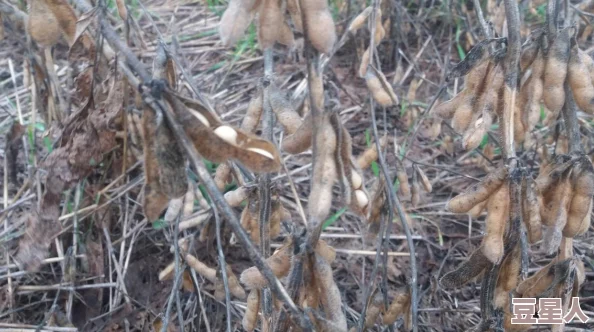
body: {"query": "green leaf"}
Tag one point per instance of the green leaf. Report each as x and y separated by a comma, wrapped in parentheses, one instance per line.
(159, 224)
(48, 144)
(367, 138)
(375, 168)
(333, 218)
(461, 52)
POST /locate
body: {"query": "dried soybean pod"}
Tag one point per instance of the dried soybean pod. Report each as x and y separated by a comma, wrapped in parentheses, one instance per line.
(360, 20)
(279, 262)
(295, 12)
(478, 192)
(172, 163)
(376, 306)
(320, 25)
(402, 178)
(531, 212)
(580, 82)
(326, 251)
(250, 318)
(173, 210)
(447, 109)
(168, 272)
(379, 93)
(329, 293)
(581, 203)
(222, 176)
(202, 269)
(477, 210)
(396, 309)
(301, 140)
(122, 10)
(553, 234)
(556, 71)
(539, 284)
(286, 36)
(236, 197)
(476, 77)
(235, 20)
(529, 54)
(462, 117)
(475, 57)
(467, 271)
(525, 285)
(286, 115)
(551, 201)
(424, 180)
(154, 200)
(270, 23)
(380, 33)
(508, 277)
(497, 215)
(585, 58)
(234, 287)
(42, 25)
(324, 172)
(370, 155)
(364, 63)
(415, 190)
(253, 113)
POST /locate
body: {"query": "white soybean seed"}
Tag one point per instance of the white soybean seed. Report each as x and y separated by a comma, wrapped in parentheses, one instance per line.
(362, 198)
(200, 117)
(227, 134)
(356, 180)
(262, 152)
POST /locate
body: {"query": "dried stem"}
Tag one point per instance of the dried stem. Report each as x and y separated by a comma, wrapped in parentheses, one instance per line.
(393, 201)
(493, 318)
(264, 183)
